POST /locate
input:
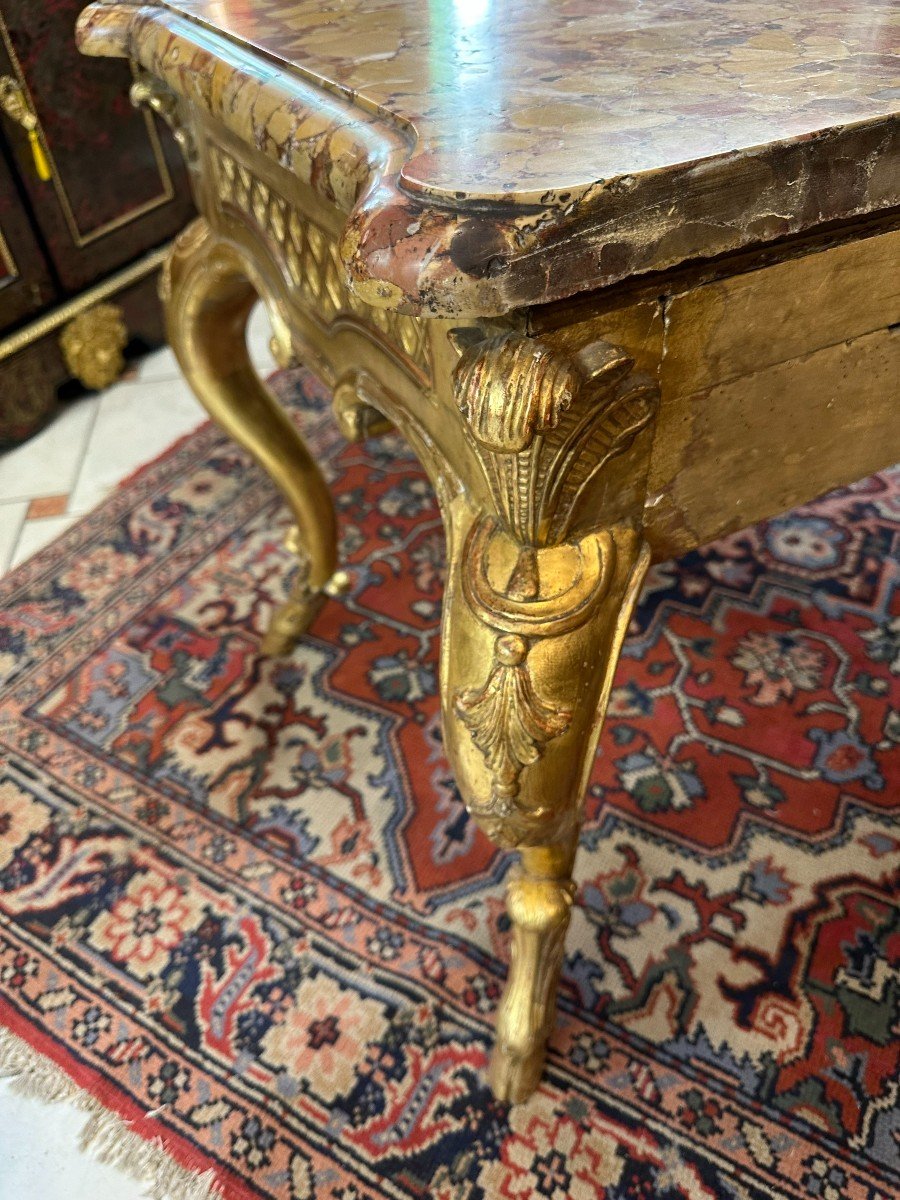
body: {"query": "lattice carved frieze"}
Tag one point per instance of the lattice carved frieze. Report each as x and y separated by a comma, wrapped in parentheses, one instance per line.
(310, 257)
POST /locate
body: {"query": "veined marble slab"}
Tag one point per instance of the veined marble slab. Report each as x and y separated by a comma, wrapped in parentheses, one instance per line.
(499, 153)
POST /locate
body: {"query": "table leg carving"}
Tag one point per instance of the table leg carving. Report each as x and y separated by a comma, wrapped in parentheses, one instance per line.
(538, 601)
(545, 563)
(208, 298)
(539, 903)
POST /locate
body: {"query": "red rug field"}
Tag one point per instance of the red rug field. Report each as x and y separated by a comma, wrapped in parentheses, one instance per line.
(240, 894)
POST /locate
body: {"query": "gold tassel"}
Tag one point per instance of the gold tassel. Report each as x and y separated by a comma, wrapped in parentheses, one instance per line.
(41, 162)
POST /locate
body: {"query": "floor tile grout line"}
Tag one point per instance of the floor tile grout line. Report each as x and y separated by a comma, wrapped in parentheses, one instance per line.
(79, 460)
(81, 457)
(85, 445)
(27, 500)
(27, 526)
(56, 438)
(7, 564)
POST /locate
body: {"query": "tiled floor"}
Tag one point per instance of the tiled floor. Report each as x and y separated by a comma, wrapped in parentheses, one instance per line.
(40, 1158)
(96, 442)
(45, 485)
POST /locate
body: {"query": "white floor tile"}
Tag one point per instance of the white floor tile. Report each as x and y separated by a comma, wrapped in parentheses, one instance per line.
(259, 333)
(158, 366)
(12, 514)
(47, 464)
(37, 534)
(98, 441)
(162, 365)
(135, 422)
(41, 1159)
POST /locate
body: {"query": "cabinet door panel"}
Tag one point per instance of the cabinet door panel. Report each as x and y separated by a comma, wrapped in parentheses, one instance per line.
(25, 283)
(118, 183)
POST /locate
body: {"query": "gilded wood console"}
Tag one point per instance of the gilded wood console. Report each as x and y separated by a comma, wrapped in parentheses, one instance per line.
(596, 367)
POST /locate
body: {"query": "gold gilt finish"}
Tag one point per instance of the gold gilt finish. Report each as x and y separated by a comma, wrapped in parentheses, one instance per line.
(6, 258)
(93, 344)
(516, 437)
(148, 92)
(14, 104)
(208, 299)
(23, 338)
(543, 425)
(465, 289)
(309, 254)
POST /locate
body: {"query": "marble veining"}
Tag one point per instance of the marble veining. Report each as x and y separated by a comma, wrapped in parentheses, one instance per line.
(563, 144)
(513, 98)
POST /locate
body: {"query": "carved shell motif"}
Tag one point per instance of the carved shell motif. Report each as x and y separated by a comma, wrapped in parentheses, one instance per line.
(545, 423)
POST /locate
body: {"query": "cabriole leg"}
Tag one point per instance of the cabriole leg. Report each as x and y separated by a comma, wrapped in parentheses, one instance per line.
(208, 299)
(539, 596)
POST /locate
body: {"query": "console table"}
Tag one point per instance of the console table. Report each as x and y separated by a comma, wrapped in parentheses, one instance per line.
(625, 276)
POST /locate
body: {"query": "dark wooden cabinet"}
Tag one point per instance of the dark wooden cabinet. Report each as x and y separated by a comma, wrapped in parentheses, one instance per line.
(88, 202)
(26, 283)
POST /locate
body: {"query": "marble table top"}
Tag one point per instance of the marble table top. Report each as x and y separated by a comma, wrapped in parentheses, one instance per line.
(574, 142)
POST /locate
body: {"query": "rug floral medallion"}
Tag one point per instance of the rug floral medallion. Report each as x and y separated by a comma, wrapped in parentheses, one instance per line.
(241, 903)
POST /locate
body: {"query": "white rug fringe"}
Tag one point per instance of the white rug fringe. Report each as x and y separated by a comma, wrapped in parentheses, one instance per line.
(106, 1136)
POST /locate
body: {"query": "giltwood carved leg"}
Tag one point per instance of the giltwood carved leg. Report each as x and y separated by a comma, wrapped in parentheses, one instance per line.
(539, 596)
(538, 901)
(208, 299)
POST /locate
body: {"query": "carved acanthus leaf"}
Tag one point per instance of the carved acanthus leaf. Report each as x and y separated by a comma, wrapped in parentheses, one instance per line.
(310, 260)
(509, 722)
(543, 423)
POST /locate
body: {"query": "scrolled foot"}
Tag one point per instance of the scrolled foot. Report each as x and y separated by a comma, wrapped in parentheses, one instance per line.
(289, 623)
(539, 910)
(294, 617)
(514, 1075)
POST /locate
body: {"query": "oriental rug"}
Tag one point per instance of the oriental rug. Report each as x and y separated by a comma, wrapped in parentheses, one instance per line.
(241, 905)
